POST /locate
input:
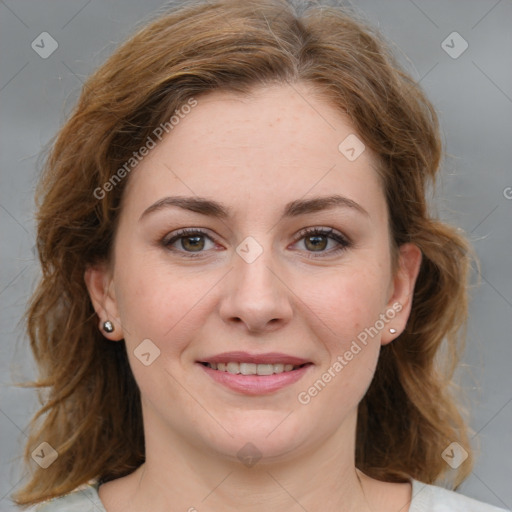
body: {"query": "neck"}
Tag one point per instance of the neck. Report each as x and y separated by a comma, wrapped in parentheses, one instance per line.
(320, 478)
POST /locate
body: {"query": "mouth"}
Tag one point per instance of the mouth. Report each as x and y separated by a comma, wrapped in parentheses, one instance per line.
(262, 369)
(255, 374)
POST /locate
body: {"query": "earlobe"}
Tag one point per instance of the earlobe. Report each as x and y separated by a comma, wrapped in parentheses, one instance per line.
(100, 287)
(402, 291)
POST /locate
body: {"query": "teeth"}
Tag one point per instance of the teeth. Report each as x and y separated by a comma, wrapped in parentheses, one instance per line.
(252, 368)
(248, 368)
(233, 368)
(265, 369)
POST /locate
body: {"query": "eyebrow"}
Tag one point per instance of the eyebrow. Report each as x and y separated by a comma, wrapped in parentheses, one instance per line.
(218, 210)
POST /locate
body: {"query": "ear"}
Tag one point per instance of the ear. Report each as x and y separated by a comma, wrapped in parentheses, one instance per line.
(100, 285)
(402, 290)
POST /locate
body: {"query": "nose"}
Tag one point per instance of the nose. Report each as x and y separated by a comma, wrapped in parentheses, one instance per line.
(255, 296)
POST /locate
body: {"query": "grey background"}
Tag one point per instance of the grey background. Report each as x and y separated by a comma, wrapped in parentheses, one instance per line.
(473, 95)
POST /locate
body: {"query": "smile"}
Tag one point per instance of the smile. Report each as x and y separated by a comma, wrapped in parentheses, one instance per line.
(252, 368)
(254, 374)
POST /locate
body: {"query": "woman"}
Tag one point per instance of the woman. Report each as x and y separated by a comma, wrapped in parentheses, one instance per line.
(243, 292)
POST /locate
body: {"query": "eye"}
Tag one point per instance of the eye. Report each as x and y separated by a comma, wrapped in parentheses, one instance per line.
(317, 240)
(193, 242)
(188, 240)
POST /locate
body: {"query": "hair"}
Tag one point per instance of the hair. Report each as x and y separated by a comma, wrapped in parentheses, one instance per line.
(91, 413)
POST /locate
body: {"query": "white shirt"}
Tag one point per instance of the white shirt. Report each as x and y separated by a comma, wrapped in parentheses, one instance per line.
(425, 498)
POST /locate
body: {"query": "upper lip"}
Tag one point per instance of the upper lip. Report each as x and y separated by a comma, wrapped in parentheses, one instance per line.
(245, 357)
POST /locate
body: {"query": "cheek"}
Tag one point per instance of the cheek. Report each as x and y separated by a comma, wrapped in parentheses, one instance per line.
(349, 304)
(155, 304)
(166, 310)
(349, 300)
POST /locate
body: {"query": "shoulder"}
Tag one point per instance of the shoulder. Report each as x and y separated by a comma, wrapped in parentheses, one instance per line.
(430, 498)
(83, 499)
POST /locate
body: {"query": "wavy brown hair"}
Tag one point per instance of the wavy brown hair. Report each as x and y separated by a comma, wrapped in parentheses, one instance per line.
(91, 412)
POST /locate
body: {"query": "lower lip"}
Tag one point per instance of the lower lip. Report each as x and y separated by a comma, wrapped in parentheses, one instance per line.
(256, 384)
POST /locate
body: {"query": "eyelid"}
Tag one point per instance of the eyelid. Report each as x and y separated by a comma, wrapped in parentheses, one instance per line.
(327, 231)
(184, 232)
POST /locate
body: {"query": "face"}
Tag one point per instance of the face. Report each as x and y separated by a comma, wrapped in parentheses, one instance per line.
(247, 236)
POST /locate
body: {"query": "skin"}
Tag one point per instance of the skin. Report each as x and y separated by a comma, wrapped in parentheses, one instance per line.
(254, 153)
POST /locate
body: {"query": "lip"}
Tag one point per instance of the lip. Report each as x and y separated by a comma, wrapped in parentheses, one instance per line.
(245, 357)
(256, 384)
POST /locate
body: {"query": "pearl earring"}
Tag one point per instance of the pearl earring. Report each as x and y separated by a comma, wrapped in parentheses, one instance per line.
(392, 331)
(108, 326)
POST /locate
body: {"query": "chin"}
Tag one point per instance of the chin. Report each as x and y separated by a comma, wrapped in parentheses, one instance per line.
(260, 435)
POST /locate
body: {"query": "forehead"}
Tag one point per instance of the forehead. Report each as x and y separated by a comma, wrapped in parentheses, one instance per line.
(276, 144)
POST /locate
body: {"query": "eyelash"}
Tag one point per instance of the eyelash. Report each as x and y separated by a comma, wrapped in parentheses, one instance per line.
(343, 242)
